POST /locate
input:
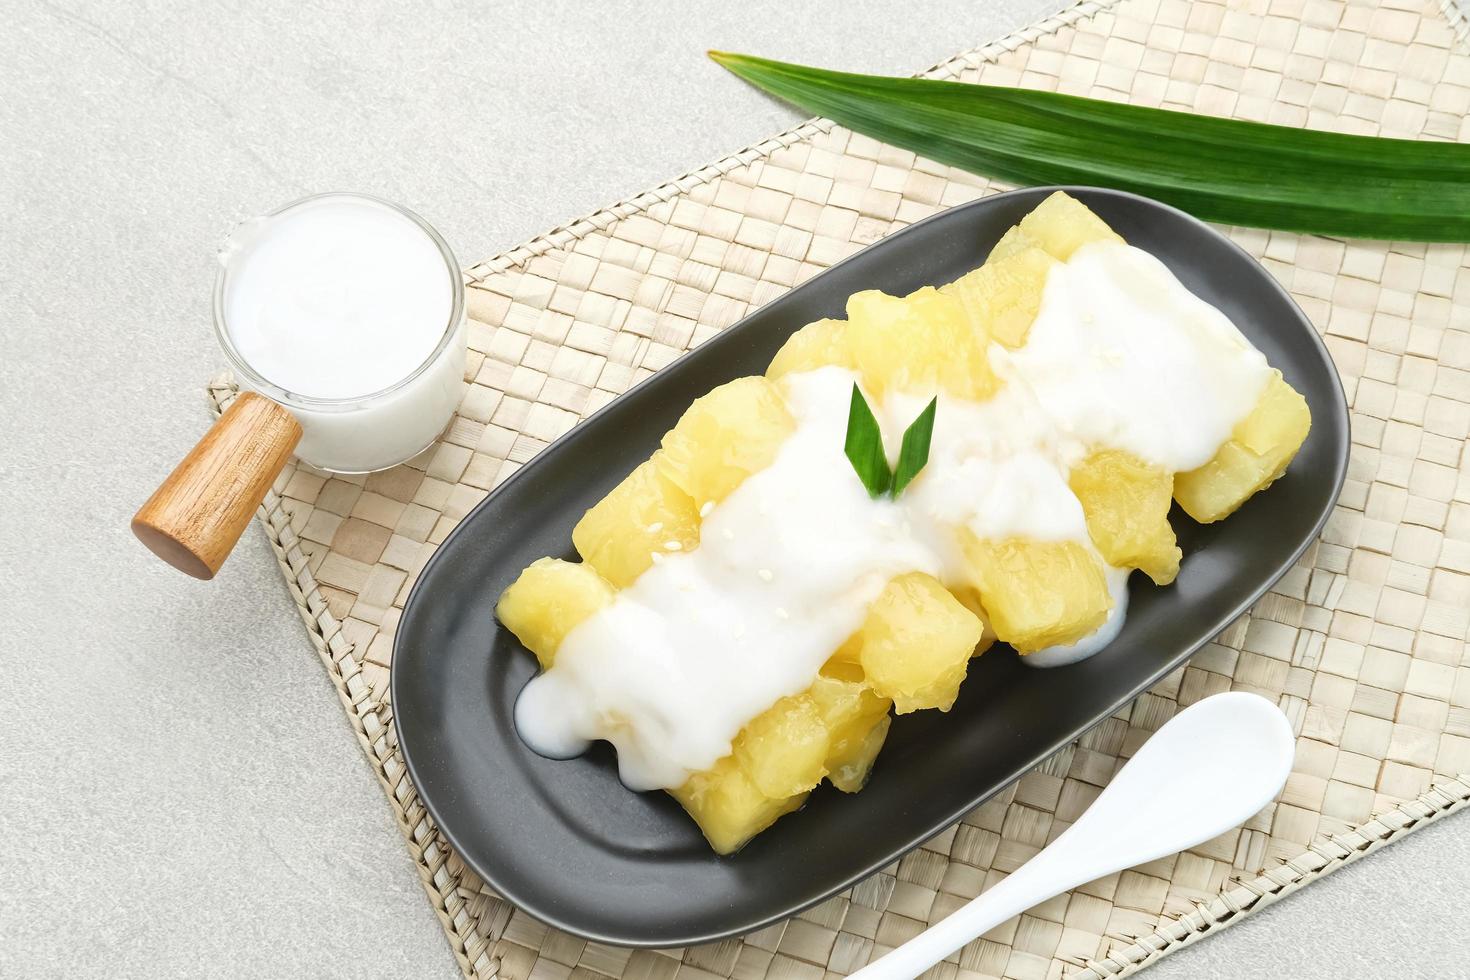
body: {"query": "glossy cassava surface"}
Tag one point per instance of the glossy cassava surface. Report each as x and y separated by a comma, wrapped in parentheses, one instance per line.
(568, 843)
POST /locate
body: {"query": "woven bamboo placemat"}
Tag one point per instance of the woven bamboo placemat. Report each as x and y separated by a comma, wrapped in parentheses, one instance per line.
(1364, 643)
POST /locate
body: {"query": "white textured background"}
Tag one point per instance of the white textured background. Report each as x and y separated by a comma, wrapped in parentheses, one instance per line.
(179, 794)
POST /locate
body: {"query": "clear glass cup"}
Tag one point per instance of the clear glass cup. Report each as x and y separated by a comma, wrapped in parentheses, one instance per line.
(375, 431)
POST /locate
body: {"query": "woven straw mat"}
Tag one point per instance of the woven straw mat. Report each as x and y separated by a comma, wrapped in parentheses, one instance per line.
(1363, 643)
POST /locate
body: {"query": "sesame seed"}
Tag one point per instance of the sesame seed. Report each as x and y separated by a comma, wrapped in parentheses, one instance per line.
(673, 546)
(765, 575)
(709, 505)
(655, 527)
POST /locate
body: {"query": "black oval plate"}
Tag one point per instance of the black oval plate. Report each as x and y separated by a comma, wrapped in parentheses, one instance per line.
(569, 844)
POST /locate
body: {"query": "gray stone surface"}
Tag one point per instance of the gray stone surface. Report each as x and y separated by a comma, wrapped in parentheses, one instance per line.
(179, 794)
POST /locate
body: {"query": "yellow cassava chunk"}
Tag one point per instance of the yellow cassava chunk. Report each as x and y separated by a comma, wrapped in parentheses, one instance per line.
(1003, 296)
(1013, 241)
(815, 345)
(722, 438)
(1258, 452)
(920, 343)
(916, 643)
(857, 723)
(1127, 505)
(849, 769)
(1061, 225)
(1039, 594)
(548, 600)
(728, 807)
(644, 515)
(784, 749)
(970, 599)
(846, 664)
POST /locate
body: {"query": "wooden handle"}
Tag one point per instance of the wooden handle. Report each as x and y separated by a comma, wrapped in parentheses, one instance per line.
(194, 519)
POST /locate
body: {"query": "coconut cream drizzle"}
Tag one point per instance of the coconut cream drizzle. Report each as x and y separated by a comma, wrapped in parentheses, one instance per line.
(1120, 355)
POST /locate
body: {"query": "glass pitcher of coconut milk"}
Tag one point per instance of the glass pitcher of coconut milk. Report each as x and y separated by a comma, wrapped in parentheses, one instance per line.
(342, 316)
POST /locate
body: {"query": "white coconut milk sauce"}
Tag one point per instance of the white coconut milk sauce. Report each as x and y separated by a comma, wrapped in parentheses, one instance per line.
(1121, 355)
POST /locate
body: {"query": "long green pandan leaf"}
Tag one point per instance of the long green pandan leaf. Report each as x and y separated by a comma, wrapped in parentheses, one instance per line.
(1223, 170)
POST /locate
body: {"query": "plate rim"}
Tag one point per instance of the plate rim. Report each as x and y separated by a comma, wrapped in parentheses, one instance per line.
(1339, 410)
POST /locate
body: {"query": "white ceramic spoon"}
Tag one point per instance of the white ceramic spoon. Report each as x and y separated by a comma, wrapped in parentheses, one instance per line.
(1213, 766)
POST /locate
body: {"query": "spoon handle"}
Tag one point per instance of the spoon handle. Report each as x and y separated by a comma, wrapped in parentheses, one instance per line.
(1051, 872)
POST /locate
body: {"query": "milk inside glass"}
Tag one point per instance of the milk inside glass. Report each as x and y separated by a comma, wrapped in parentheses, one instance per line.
(348, 311)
